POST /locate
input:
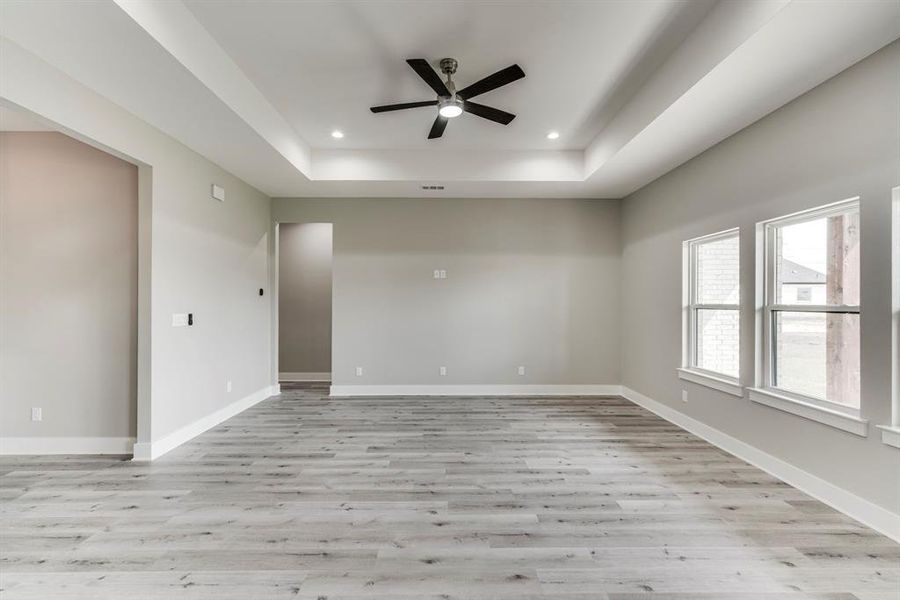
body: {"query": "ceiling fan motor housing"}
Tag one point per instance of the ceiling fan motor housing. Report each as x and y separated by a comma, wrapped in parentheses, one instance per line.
(448, 65)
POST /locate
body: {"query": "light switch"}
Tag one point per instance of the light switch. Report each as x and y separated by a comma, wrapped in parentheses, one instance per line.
(521, 370)
(36, 414)
(359, 371)
(443, 371)
(179, 320)
(218, 192)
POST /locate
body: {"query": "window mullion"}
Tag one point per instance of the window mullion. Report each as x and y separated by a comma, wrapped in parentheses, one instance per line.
(822, 308)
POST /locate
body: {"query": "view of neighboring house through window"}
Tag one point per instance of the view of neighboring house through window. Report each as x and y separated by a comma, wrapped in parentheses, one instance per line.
(713, 323)
(812, 305)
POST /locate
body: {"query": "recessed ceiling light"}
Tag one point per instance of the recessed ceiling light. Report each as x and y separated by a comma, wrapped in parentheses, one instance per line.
(336, 134)
(553, 135)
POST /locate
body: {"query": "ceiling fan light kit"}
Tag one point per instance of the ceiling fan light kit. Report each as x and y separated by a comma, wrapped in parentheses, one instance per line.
(452, 103)
(450, 107)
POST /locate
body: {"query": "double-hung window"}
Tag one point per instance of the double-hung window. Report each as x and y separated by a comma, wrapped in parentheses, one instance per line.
(712, 320)
(810, 311)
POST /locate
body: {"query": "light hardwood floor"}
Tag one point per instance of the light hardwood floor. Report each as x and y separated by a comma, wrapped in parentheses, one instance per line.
(308, 497)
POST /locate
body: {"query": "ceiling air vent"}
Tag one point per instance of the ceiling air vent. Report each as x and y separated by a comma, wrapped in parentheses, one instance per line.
(432, 187)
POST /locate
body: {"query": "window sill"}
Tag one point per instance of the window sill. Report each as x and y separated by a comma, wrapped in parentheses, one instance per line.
(832, 418)
(722, 384)
(890, 435)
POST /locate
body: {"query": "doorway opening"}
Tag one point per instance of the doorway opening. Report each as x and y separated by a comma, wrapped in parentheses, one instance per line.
(304, 304)
(69, 291)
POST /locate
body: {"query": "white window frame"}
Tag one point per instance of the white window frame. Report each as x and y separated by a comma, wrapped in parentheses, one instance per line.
(890, 434)
(831, 413)
(689, 370)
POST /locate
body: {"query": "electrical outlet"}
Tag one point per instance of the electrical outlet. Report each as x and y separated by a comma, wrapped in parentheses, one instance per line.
(443, 371)
(227, 386)
(684, 396)
(36, 414)
(521, 370)
(359, 371)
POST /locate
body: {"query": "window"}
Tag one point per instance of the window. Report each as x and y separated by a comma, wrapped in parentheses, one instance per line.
(712, 306)
(810, 316)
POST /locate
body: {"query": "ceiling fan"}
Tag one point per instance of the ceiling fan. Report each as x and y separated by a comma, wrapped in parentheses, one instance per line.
(452, 103)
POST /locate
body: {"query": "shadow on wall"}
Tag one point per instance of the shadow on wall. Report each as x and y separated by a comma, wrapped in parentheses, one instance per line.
(69, 297)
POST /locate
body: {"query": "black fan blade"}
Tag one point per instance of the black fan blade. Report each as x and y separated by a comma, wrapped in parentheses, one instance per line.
(492, 82)
(421, 66)
(389, 107)
(437, 130)
(487, 112)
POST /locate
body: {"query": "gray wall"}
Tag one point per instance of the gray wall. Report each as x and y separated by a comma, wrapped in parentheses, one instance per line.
(529, 282)
(195, 254)
(304, 298)
(209, 258)
(840, 140)
(68, 297)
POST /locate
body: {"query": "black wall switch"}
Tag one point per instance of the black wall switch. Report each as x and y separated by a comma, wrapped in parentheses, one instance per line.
(190, 318)
(260, 291)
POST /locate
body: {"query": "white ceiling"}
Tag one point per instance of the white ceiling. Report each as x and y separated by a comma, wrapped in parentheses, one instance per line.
(634, 88)
(323, 64)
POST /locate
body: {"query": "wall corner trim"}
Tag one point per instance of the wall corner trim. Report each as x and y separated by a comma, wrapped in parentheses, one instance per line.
(145, 451)
(878, 518)
(478, 390)
(10, 446)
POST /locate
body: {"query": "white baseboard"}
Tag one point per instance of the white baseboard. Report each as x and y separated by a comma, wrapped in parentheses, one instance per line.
(476, 390)
(304, 376)
(65, 445)
(152, 450)
(878, 518)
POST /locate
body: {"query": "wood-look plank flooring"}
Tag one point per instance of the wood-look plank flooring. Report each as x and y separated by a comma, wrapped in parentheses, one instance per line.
(304, 496)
